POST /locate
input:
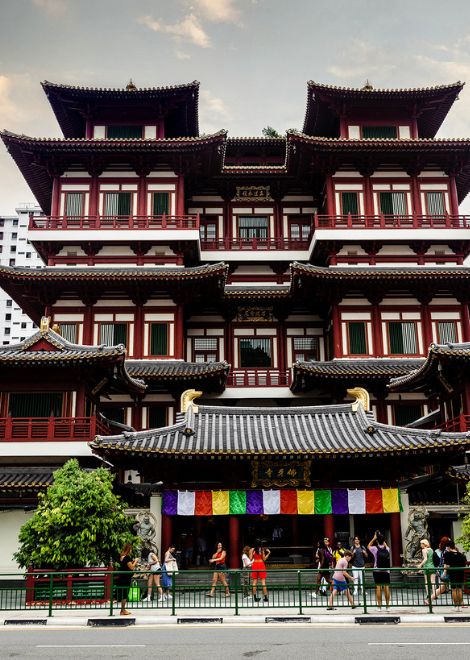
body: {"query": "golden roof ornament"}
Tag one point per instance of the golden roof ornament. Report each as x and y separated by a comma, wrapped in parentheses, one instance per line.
(187, 399)
(130, 87)
(368, 87)
(44, 326)
(362, 396)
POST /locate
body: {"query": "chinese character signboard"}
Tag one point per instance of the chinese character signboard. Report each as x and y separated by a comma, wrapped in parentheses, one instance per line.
(254, 314)
(253, 193)
(267, 474)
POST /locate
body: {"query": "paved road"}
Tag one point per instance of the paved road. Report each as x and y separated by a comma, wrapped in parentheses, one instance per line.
(240, 642)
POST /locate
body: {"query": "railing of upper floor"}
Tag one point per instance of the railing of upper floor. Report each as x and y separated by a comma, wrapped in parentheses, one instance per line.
(382, 221)
(456, 424)
(89, 222)
(51, 428)
(249, 244)
(259, 378)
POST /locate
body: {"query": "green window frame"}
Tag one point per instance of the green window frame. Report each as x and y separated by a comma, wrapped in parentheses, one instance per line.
(122, 132)
(117, 204)
(405, 413)
(35, 404)
(350, 203)
(393, 203)
(157, 417)
(447, 332)
(73, 204)
(435, 203)
(159, 339)
(357, 337)
(379, 132)
(161, 203)
(112, 334)
(403, 338)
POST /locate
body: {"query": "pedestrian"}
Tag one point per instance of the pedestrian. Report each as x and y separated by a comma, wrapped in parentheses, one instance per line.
(126, 570)
(169, 568)
(153, 579)
(246, 566)
(339, 551)
(454, 564)
(324, 559)
(442, 576)
(340, 580)
(429, 570)
(259, 556)
(218, 559)
(359, 556)
(381, 573)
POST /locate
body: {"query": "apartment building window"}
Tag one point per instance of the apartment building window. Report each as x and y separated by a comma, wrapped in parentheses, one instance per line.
(208, 229)
(159, 339)
(161, 203)
(403, 338)
(69, 332)
(117, 204)
(393, 203)
(205, 349)
(7, 317)
(7, 331)
(23, 325)
(349, 203)
(389, 132)
(123, 132)
(157, 417)
(28, 255)
(405, 413)
(435, 204)
(300, 228)
(9, 303)
(250, 227)
(357, 338)
(13, 248)
(35, 404)
(112, 334)
(255, 352)
(305, 349)
(446, 332)
(74, 205)
(1, 235)
(12, 262)
(14, 236)
(15, 223)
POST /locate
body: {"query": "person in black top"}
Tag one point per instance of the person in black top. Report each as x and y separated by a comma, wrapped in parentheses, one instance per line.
(124, 579)
(456, 562)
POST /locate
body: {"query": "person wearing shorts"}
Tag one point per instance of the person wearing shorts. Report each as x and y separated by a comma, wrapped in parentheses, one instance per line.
(258, 571)
(340, 580)
(218, 559)
(454, 564)
(381, 575)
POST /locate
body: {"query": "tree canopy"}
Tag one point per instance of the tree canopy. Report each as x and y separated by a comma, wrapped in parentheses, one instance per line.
(465, 538)
(79, 522)
(269, 131)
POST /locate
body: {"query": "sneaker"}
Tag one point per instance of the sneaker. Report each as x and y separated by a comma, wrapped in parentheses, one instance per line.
(314, 595)
(228, 595)
(387, 609)
(256, 598)
(379, 609)
(330, 608)
(209, 595)
(266, 599)
(161, 599)
(353, 607)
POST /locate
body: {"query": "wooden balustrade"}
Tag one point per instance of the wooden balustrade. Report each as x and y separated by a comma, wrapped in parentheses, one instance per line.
(457, 424)
(89, 222)
(258, 378)
(382, 221)
(38, 429)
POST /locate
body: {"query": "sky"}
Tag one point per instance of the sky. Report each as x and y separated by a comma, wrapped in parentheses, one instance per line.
(253, 58)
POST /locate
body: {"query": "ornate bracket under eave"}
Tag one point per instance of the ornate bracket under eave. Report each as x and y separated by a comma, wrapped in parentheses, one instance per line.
(361, 396)
(187, 400)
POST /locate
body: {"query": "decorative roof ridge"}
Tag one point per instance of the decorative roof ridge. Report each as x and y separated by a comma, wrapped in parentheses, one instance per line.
(311, 84)
(60, 342)
(356, 141)
(136, 435)
(114, 141)
(103, 270)
(278, 410)
(381, 270)
(47, 84)
(430, 433)
(257, 138)
(457, 349)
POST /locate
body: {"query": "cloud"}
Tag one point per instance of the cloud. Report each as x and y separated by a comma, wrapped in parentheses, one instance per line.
(188, 30)
(181, 55)
(52, 7)
(216, 11)
(8, 109)
(361, 60)
(213, 110)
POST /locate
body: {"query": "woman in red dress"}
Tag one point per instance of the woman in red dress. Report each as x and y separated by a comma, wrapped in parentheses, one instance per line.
(218, 559)
(258, 570)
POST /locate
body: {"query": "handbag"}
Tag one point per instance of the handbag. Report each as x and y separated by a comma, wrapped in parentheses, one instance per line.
(172, 567)
(133, 595)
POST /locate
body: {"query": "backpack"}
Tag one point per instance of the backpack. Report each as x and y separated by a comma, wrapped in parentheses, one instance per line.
(383, 557)
(436, 560)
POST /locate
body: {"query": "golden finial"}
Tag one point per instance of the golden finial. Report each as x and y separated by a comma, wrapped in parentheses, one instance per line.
(187, 399)
(362, 396)
(130, 87)
(45, 321)
(368, 87)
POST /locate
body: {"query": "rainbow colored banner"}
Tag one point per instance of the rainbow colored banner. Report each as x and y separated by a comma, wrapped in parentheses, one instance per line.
(275, 502)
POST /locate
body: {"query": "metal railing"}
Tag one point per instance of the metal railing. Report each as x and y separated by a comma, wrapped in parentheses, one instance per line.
(258, 378)
(300, 590)
(87, 222)
(51, 428)
(382, 221)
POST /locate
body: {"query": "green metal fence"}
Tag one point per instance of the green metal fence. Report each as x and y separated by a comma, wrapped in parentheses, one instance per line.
(298, 590)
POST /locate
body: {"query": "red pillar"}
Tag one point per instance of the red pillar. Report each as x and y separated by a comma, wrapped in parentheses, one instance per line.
(179, 334)
(88, 326)
(454, 200)
(396, 540)
(234, 550)
(329, 527)
(137, 418)
(465, 323)
(80, 403)
(138, 351)
(278, 224)
(368, 196)
(415, 196)
(142, 196)
(381, 408)
(55, 206)
(427, 327)
(337, 338)
(281, 345)
(330, 196)
(167, 531)
(180, 205)
(378, 347)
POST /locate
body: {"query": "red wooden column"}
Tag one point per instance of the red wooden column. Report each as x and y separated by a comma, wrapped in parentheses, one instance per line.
(228, 342)
(179, 334)
(415, 196)
(278, 228)
(167, 531)
(55, 206)
(465, 323)
(281, 346)
(454, 200)
(330, 196)
(377, 337)
(381, 408)
(329, 527)
(395, 537)
(93, 202)
(88, 325)
(180, 203)
(138, 348)
(142, 195)
(80, 402)
(427, 326)
(337, 337)
(234, 550)
(368, 195)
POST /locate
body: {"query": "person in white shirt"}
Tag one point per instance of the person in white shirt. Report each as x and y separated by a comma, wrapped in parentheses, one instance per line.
(246, 565)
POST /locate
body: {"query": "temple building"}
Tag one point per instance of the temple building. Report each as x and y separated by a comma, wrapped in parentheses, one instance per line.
(207, 302)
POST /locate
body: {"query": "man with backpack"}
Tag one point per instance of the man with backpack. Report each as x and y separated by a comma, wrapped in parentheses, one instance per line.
(381, 573)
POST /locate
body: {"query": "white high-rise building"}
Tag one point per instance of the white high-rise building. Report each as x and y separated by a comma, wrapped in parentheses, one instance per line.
(16, 250)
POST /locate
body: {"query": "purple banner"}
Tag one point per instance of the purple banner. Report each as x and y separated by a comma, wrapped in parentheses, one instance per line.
(170, 502)
(254, 502)
(339, 501)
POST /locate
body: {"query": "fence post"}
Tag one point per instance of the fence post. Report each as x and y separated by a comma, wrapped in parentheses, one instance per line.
(173, 594)
(364, 591)
(299, 588)
(51, 592)
(236, 580)
(427, 577)
(111, 594)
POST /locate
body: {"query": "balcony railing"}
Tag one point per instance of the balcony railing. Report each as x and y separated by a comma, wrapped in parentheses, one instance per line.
(258, 378)
(456, 424)
(88, 222)
(39, 429)
(233, 244)
(381, 221)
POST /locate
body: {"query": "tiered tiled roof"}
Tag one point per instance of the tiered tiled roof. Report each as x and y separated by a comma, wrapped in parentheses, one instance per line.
(321, 431)
(212, 376)
(30, 479)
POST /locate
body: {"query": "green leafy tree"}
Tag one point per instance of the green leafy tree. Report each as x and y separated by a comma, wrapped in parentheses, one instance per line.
(465, 538)
(269, 131)
(79, 522)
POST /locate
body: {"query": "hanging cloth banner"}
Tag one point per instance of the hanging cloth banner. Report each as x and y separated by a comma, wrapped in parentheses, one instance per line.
(275, 502)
